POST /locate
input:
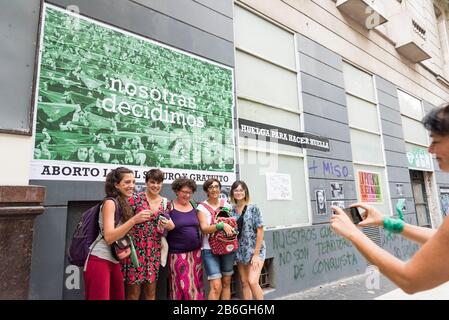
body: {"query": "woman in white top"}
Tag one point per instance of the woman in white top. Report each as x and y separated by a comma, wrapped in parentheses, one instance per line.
(219, 268)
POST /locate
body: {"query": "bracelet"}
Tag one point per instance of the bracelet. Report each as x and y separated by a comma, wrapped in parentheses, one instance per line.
(220, 225)
(393, 225)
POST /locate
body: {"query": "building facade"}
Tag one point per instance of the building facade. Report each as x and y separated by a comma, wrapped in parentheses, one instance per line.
(312, 102)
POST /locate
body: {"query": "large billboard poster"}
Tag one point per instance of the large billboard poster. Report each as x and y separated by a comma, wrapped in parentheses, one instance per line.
(109, 98)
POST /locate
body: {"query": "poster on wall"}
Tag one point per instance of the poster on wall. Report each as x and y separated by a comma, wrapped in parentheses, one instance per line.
(340, 204)
(444, 196)
(337, 191)
(279, 186)
(400, 189)
(320, 197)
(370, 187)
(109, 98)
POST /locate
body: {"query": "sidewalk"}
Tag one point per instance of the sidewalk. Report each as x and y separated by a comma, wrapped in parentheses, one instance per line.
(361, 288)
(354, 288)
(438, 293)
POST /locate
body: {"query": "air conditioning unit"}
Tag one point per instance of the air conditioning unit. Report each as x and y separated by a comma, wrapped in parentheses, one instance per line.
(368, 13)
(409, 34)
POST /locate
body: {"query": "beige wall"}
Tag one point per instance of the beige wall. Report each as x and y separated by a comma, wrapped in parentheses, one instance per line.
(322, 22)
(15, 159)
(425, 9)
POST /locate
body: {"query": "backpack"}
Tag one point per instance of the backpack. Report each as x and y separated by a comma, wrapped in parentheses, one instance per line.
(87, 232)
(220, 243)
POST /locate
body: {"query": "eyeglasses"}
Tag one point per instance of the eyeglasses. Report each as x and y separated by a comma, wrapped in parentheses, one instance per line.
(239, 191)
(187, 193)
(213, 187)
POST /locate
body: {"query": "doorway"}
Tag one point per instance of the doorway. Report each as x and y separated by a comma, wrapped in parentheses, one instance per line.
(420, 197)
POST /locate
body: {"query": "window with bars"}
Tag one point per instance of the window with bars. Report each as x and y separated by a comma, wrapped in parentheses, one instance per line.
(266, 274)
(265, 279)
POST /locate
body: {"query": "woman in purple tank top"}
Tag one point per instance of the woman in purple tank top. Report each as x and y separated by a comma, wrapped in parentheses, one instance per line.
(184, 242)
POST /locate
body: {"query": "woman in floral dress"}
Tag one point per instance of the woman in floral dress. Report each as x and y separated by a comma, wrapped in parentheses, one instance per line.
(147, 239)
(250, 255)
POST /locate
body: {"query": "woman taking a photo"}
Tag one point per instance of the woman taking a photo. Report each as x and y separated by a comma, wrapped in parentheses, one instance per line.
(250, 255)
(429, 267)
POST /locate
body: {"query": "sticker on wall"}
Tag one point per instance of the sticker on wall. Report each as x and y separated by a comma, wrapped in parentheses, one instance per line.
(444, 196)
(320, 197)
(109, 98)
(279, 186)
(340, 204)
(399, 189)
(337, 191)
(370, 187)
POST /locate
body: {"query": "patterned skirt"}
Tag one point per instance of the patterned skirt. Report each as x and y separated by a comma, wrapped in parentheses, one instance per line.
(186, 276)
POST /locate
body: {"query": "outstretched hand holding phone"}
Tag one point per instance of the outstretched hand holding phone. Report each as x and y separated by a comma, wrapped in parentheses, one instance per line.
(354, 214)
(371, 217)
(345, 221)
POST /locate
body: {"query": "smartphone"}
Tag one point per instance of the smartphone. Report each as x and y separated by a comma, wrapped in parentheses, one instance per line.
(163, 219)
(354, 214)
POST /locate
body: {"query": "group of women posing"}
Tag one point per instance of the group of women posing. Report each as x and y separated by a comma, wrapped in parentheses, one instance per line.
(147, 218)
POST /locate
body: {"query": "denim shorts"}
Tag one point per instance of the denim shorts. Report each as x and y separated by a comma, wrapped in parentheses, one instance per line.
(218, 266)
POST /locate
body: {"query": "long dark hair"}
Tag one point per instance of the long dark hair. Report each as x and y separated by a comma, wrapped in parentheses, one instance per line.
(114, 177)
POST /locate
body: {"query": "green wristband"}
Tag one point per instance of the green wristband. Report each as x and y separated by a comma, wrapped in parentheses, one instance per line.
(220, 225)
(393, 225)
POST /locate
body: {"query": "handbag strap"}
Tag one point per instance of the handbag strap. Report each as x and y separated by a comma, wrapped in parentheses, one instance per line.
(164, 203)
(243, 212)
(192, 203)
(117, 217)
(240, 219)
(213, 212)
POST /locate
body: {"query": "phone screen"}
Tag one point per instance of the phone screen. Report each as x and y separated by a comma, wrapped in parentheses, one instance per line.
(354, 214)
